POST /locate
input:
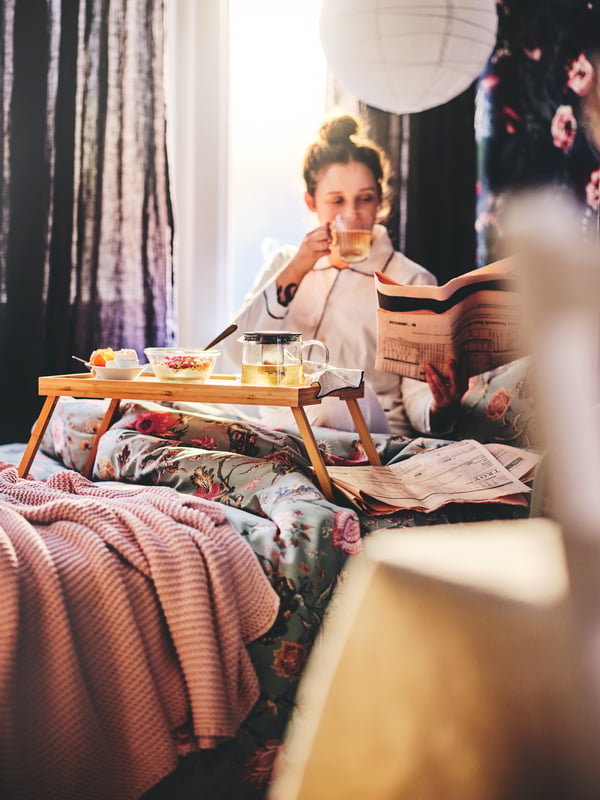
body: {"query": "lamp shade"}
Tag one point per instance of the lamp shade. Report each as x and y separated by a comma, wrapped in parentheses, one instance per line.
(407, 55)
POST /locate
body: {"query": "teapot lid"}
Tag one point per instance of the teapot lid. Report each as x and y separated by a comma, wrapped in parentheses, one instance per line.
(271, 337)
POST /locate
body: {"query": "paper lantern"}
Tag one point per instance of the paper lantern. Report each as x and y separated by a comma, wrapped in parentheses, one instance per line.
(407, 55)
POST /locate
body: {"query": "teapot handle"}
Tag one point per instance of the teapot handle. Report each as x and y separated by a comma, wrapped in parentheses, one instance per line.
(310, 366)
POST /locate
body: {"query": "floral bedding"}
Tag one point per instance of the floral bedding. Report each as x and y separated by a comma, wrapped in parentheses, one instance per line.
(262, 477)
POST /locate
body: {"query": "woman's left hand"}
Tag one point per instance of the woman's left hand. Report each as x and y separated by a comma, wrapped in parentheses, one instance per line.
(446, 392)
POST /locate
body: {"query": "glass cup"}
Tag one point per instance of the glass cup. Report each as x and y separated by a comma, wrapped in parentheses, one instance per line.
(277, 358)
(352, 238)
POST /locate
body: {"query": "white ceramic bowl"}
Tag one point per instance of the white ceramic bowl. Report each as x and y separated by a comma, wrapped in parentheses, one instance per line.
(117, 373)
(182, 363)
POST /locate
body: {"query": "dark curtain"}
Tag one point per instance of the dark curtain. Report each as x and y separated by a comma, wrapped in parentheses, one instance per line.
(538, 111)
(434, 160)
(86, 236)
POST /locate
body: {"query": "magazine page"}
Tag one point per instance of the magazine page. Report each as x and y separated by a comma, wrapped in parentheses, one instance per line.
(521, 463)
(462, 471)
(498, 271)
(475, 319)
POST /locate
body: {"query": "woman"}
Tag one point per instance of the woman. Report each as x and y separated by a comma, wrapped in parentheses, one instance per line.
(311, 290)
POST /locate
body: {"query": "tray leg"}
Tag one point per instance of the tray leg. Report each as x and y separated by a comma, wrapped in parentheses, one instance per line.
(314, 453)
(36, 434)
(363, 432)
(107, 420)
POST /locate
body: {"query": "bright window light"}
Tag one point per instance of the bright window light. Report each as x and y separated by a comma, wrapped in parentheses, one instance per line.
(277, 75)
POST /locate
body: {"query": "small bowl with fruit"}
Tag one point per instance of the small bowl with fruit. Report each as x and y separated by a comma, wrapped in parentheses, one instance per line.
(182, 364)
(115, 365)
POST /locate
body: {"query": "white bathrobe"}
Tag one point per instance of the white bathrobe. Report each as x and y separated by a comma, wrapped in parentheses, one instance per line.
(339, 307)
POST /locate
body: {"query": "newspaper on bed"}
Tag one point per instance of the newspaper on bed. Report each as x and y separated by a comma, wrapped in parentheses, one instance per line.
(474, 318)
(459, 472)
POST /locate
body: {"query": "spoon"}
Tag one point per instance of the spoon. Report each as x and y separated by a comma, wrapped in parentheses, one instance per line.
(223, 335)
(83, 361)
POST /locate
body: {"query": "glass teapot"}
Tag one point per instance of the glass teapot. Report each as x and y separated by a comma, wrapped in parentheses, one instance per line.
(276, 358)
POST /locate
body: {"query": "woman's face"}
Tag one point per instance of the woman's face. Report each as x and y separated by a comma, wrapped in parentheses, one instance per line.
(347, 189)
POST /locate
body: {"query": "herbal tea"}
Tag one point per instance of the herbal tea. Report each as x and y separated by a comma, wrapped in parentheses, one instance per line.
(354, 245)
(273, 374)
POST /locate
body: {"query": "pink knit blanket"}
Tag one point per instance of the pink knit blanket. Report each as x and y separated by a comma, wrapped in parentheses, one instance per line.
(125, 618)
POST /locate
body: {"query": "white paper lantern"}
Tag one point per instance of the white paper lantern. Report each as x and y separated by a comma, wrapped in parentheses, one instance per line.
(407, 55)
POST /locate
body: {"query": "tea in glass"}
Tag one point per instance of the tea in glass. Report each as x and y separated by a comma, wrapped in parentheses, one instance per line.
(352, 237)
(266, 374)
(354, 245)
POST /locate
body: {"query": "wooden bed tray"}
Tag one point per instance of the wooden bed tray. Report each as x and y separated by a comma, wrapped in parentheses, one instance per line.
(218, 389)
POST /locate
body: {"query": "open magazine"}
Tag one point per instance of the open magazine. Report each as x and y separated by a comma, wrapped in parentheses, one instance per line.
(459, 472)
(475, 318)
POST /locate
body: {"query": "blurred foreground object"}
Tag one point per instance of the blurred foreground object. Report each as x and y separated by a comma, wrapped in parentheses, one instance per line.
(444, 671)
(560, 281)
(561, 285)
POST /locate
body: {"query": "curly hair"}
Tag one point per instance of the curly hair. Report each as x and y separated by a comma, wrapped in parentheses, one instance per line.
(340, 141)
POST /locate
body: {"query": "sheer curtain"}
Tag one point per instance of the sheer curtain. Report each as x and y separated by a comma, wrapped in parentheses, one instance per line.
(86, 221)
(198, 114)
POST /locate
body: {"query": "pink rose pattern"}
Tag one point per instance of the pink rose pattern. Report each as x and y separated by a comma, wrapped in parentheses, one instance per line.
(532, 108)
(499, 404)
(154, 423)
(346, 532)
(592, 190)
(289, 660)
(564, 128)
(580, 77)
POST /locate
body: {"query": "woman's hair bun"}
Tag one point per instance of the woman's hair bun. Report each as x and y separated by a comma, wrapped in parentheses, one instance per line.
(341, 140)
(339, 129)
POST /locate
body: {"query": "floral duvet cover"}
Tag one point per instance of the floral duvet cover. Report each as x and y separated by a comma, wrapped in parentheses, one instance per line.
(263, 479)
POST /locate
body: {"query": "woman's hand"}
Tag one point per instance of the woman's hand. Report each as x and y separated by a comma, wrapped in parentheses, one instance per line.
(446, 393)
(316, 243)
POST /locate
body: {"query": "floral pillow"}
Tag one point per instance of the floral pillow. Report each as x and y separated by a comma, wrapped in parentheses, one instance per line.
(179, 424)
(498, 407)
(72, 429)
(75, 422)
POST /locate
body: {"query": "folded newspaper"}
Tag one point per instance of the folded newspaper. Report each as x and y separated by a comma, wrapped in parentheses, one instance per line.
(458, 472)
(475, 318)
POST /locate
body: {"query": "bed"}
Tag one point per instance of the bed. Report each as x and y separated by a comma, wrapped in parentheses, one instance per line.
(260, 481)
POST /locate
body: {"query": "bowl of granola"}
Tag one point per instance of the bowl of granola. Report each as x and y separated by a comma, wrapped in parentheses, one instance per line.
(182, 363)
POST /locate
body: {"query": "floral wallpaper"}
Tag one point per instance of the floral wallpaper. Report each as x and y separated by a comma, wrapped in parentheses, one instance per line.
(537, 119)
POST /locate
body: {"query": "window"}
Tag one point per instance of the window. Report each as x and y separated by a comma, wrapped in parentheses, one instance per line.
(277, 80)
(246, 89)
